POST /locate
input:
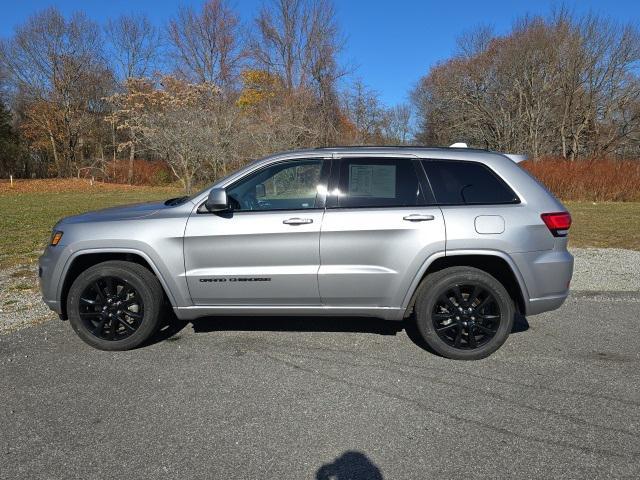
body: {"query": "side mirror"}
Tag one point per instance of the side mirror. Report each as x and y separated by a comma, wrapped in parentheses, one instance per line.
(217, 200)
(261, 191)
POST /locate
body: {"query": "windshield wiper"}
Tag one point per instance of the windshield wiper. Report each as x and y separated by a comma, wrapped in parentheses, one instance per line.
(172, 202)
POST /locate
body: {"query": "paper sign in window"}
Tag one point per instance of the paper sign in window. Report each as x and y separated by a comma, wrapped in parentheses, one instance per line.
(372, 181)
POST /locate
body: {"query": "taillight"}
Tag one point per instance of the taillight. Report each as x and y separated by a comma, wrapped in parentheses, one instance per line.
(558, 223)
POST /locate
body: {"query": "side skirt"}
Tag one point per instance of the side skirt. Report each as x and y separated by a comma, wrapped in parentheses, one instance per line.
(385, 313)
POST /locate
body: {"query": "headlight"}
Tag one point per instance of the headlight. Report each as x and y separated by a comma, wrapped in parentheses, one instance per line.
(56, 237)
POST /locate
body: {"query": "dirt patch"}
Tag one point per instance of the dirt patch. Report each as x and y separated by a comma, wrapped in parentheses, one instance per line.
(20, 302)
(22, 273)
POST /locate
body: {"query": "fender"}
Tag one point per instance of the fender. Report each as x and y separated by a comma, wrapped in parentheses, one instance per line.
(79, 253)
(451, 253)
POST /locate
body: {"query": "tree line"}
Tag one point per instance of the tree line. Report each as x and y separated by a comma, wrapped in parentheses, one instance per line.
(205, 92)
(561, 86)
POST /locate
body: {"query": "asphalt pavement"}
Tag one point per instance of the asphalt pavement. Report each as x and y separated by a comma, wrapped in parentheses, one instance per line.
(305, 398)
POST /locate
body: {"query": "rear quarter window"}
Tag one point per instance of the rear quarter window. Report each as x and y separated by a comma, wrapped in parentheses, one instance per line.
(466, 183)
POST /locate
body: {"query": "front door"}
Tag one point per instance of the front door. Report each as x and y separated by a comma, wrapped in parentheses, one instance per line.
(381, 224)
(265, 249)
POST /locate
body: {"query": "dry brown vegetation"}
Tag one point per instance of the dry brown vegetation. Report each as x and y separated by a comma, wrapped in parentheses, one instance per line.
(138, 172)
(593, 180)
(73, 185)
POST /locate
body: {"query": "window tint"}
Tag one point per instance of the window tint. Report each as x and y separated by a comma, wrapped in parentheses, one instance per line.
(284, 186)
(464, 183)
(377, 182)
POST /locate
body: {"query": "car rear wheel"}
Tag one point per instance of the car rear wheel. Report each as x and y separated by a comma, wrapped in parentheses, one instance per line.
(463, 313)
(115, 305)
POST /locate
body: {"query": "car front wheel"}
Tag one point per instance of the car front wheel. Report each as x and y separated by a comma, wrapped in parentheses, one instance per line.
(115, 305)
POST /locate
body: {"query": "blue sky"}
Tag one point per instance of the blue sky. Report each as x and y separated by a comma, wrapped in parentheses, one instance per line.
(391, 43)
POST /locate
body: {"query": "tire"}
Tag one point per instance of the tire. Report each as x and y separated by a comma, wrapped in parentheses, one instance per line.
(115, 305)
(457, 326)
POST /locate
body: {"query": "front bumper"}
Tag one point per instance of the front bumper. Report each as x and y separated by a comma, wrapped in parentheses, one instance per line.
(49, 276)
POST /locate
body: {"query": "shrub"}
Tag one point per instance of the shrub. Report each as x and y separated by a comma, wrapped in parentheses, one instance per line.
(145, 172)
(596, 180)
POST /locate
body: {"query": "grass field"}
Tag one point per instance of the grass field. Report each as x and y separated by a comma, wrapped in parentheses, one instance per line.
(607, 224)
(31, 208)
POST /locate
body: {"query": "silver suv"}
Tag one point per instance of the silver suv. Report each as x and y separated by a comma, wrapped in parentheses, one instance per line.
(454, 239)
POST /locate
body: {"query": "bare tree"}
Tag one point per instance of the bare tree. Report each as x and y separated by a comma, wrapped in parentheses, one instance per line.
(299, 41)
(363, 109)
(186, 124)
(397, 127)
(56, 67)
(559, 85)
(474, 41)
(274, 118)
(598, 83)
(207, 45)
(134, 45)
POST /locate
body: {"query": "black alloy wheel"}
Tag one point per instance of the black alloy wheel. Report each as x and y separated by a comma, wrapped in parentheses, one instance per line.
(466, 316)
(463, 313)
(116, 305)
(111, 308)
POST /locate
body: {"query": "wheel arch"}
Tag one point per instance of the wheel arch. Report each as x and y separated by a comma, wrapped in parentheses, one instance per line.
(495, 263)
(85, 259)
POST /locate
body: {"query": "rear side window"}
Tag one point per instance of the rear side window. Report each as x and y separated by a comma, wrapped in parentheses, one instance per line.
(466, 183)
(379, 182)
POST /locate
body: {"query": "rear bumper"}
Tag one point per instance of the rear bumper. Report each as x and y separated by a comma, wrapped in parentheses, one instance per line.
(547, 275)
(545, 304)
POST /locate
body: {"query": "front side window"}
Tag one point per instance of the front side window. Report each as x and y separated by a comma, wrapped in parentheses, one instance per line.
(378, 182)
(289, 185)
(466, 183)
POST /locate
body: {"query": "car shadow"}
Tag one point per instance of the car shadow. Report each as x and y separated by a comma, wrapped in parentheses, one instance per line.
(351, 465)
(297, 324)
(173, 326)
(520, 324)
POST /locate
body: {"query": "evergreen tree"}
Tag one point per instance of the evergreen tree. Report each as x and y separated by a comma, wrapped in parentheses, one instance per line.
(9, 145)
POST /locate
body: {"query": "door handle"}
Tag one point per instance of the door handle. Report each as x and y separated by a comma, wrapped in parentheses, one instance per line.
(297, 221)
(418, 217)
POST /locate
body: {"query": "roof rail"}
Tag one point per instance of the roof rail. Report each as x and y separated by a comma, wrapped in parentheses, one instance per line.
(372, 145)
(408, 147)
(515, 157)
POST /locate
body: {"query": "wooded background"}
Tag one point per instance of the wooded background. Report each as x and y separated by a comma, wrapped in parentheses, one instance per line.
(128, 101)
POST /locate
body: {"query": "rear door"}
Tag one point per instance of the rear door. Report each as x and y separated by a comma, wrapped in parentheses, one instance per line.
(265, 250)
(379, 227)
